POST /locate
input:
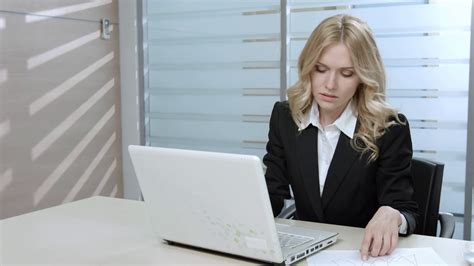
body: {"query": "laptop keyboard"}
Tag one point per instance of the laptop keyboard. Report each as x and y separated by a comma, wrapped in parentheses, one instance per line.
(291, 241)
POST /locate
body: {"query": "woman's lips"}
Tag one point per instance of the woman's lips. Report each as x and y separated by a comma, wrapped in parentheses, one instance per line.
(328, 97)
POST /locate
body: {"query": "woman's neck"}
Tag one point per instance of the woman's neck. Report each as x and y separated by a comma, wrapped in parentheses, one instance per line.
(326, 118)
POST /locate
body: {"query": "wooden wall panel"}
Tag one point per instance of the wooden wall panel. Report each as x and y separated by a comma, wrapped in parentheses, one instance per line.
(59, 104)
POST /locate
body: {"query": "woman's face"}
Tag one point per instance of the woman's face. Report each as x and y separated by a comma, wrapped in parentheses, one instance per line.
(333, 80)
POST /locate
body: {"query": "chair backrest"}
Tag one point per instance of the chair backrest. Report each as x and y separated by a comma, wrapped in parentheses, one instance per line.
(428, 179)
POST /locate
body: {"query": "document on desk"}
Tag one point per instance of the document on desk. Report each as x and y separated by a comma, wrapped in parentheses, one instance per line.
(400, 256)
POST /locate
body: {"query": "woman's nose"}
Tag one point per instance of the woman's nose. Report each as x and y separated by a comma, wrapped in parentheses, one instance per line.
(331, 81)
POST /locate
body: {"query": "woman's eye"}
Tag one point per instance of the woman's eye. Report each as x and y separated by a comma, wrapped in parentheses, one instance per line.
(320, 69)
(347, 74)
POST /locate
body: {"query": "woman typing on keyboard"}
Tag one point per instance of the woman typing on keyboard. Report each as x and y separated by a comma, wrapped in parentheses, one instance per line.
(345, 152)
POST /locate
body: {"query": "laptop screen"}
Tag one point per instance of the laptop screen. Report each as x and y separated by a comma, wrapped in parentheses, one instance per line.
(210, 200)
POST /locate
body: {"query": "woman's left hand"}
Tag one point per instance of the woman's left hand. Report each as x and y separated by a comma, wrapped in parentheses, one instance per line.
(381, 233)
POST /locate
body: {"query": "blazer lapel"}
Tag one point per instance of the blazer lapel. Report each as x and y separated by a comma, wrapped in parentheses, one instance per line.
(344, 157)
(307, 150)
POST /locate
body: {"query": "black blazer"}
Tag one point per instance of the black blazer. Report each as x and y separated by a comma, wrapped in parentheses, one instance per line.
(354, 189)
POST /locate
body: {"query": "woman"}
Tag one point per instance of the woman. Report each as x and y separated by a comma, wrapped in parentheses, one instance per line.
(345, 152)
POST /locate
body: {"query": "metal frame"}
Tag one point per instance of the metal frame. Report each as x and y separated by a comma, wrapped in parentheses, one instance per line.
(470, 143)
(141, 7)
(284, 48)
(130, 88)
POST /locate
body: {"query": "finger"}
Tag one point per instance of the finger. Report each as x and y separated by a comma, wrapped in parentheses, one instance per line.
(386, 244)
(376, 246)
(394, 242)
(364, 249)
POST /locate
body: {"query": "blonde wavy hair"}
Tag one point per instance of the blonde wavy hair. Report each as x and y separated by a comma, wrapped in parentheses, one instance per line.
(374, 114)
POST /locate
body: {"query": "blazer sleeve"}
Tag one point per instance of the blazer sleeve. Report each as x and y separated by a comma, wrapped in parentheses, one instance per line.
(276, 173)
(394, 180)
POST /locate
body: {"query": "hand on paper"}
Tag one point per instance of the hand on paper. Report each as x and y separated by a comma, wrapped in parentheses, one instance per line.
(381, 233)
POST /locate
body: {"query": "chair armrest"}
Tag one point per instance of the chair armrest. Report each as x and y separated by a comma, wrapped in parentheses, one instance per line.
(288, 212)
(448, 223)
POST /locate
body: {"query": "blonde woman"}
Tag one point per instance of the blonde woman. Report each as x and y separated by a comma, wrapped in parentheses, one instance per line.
(345, 152)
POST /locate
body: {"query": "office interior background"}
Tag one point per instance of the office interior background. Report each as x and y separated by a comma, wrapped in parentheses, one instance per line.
(204, 74)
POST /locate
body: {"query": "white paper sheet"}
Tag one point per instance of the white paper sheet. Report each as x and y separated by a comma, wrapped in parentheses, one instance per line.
(400, 256)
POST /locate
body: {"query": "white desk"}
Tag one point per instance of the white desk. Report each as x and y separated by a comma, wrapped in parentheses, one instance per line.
(100, 230)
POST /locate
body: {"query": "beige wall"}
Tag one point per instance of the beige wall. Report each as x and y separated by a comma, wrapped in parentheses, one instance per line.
(59, 104)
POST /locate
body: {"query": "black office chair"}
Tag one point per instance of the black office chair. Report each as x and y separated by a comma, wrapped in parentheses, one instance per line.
(428, 178)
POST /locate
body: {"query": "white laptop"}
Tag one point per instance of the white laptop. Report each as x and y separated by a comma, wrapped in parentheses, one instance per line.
(219, 202)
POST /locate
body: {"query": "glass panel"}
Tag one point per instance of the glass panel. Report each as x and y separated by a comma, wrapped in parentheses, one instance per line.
(228, 104)
(443, 45)
(452, 109)
(452, 77)
(216, 78)
(391, 18)
(207, 53)
(213, 73)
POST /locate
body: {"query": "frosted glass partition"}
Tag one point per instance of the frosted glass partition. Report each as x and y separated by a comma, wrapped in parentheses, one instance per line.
(425, 47)
(212, 73)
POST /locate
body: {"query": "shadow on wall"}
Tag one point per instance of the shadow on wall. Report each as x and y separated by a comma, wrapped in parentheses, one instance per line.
(59, 105)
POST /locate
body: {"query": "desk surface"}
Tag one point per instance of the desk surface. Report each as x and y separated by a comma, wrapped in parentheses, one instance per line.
(102, 230)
